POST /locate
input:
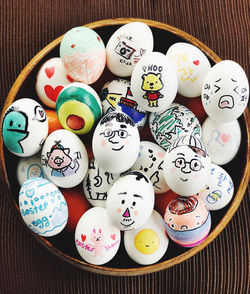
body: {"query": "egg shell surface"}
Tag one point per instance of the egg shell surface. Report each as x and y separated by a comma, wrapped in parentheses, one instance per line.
(147, 244)
(52, 77)
(225, 91)
(43, 207)
(127, 46)
(83, 54)
(188, 222)
(192, 65)
(186, 166)
(24, 127)
(97, 239)
(172, 123)
(130, 201)
(64, 159)
(219, 189)
(117, 96)
(116, 142)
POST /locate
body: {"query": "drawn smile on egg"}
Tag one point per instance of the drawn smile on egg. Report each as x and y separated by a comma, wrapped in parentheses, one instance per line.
(184, 180)
(226, 101)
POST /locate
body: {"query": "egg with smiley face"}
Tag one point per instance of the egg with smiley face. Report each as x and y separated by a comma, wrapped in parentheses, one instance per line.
(225, 91)
(147, 244)
(186, 165)
(130, 201)
(116, 142)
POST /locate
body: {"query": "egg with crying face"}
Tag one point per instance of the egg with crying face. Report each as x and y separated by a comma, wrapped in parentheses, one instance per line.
(116, 142)
(186, 165)
(225, 91)
(130, 201)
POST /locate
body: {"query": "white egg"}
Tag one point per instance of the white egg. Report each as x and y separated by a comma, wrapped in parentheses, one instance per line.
(219, 189)
(117, 96)
(51, 79)
(186, 166)
(222, 140)
(147, 244)
(225, 91)
(24, 127)
(172, 123)
(192, 65)
(97, 183)
(154, 82)
(29, 168)
(116, 142)
(149, 162)
(127, 46)
(97, 240)
(64, 159)
(130, 201)
(43, 207)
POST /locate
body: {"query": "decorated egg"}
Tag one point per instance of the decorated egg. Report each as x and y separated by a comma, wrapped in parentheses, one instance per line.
(43, 207)
(172, 123)
(64, 159)
(77, 206)
(53, 121)
(78, 108)
(219, 189)
(186, 166)
(162, 201)
(127, 46)
(225, 91)
(147, 244)
(51, 79)
(149, 162)
(83, 54)
(130, 201)
(154, 82)
(222, 140)
(29, 168)
(188, 222)
(97, 239)
(117, 96)
(24, 127)
(192, 65)
(116, 142)
(97, 183)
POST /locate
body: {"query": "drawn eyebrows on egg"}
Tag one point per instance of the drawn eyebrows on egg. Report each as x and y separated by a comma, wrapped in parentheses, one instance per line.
(122, 193)
(123, 126)
(180, 154)
(218, 80)
(139, 196)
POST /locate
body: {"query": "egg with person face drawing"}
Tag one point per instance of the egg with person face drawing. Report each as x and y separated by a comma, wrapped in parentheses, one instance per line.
(116, 142)
(130, 201)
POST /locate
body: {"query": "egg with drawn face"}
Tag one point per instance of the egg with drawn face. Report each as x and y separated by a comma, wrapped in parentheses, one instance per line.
(24, 127)
(130, 201)
(149, 162)
(225, 91)
(186, 166)
(116, 142)
(188, 221)
(148, 243)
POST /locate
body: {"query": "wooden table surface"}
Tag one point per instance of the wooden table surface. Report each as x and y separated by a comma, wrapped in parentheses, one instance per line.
(25, 265)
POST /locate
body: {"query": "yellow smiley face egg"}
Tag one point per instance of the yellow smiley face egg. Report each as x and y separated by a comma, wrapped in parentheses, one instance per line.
(147, 241)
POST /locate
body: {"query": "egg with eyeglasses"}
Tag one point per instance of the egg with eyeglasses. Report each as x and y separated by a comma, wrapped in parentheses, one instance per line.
(43, 207)
(154, 82)
(192, 65)
(147, 244)
(225, 91)
(127, 46)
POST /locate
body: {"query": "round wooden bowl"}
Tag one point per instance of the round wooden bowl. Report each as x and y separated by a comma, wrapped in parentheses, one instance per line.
(63, 244)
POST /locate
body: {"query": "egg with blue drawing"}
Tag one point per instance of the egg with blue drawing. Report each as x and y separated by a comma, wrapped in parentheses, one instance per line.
(24, 127)
(78, 108)
(43, 207)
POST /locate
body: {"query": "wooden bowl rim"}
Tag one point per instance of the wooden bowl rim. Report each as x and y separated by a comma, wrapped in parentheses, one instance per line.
(157, 266)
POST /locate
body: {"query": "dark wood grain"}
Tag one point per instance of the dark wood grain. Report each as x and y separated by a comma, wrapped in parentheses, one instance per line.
(25, 265)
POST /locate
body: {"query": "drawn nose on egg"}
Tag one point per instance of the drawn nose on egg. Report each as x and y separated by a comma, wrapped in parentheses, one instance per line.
(126, 213)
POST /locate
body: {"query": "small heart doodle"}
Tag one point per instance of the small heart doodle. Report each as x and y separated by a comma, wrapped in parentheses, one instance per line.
(225, 137)
(52, 93)
(196, 62)
(113, 236)
(30, 192)
(83, 237)
(50, 71)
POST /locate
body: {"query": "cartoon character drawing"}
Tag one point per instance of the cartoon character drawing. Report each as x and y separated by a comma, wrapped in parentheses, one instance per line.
(15, 129)
(124, 50)
(60, 161)
(98, 239)
(152, 84)
(35, 171)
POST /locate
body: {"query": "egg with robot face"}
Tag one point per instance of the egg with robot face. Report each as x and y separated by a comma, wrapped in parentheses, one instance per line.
(24, 127)
(130, 201)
